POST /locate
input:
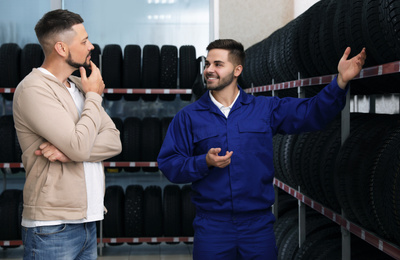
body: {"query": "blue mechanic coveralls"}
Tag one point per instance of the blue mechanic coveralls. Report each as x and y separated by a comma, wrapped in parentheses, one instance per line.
(233, 204)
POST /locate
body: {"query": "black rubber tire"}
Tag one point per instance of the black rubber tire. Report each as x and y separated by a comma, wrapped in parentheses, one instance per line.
(277, 146)
(286, 159)
(153, 218)
(10, 224)
(134, 211)
(187, 69)
(32, 56)
(132, 142)
(151, 70)
(188, 211)
(199, 87)
(378, 50)
(315, 239)
(112, 69)
(151, 141)
(172, 211)
(113, 223)
(296, 161)
(284, 224)
(10, 67)
(389, 14)
(289, 247)
(165, 121)
(131, 70)
(169, 70)
(117, 158)
(7, 140)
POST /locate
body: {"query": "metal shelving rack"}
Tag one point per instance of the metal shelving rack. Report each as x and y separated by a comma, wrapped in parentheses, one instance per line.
(346, 225)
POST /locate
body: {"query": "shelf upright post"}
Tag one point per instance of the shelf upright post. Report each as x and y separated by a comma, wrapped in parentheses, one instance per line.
(345, 127)
(4, 106)
(302, 221)
(302, 207)
(101, 244)
(273, 91)
(275, 207)
(4, 180)
(372, 104)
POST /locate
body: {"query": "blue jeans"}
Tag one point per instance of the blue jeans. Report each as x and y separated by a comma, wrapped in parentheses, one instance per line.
(61, 242)
(235, 237)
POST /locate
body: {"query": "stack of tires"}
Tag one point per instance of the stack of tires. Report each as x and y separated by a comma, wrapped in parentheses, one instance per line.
(150, 68)
(313, 43)
(362, 177)
(10, 215)
(148, 212)
(10, 150)
(323, 237)
(141, 141)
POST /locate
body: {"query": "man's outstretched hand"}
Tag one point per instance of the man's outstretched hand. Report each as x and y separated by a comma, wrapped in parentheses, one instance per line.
(348, 69)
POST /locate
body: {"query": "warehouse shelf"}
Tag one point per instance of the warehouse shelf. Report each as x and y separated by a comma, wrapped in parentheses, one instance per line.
(120, 240)
(348, 226)
(127, 91)
(106, 164)
(383, 245)
(384, 69)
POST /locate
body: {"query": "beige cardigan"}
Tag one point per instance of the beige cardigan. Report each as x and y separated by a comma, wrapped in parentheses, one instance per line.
(44, 110)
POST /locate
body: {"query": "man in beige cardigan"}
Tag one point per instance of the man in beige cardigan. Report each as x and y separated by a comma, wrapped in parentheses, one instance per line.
(65, 134)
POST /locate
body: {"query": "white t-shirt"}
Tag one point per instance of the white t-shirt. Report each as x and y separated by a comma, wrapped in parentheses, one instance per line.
(94, 178)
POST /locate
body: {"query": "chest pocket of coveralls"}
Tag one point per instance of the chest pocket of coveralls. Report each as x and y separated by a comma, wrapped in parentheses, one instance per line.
(254, 134)
(204, 139)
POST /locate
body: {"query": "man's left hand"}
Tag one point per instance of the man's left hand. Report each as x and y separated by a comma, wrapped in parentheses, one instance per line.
(51, 152)
(348, 69)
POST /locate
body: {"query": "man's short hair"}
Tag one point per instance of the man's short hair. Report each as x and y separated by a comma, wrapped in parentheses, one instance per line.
(236, 50)
(53, 23)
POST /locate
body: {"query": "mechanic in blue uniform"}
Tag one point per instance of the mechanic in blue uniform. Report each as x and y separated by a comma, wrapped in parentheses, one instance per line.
(222, 144)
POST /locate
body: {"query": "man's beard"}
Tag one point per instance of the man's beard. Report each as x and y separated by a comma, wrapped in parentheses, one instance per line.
(224, 83)
(78, 65)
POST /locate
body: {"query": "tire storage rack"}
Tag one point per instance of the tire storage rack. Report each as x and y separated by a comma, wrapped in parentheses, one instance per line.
(390, 248)
(347, 226)
(299, 73)
(169, 218)
(347, 172)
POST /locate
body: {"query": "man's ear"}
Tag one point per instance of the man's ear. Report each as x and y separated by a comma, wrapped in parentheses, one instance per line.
(238, 70)
(61, 48)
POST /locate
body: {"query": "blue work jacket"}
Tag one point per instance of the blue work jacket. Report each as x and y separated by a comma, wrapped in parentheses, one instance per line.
(247, 183)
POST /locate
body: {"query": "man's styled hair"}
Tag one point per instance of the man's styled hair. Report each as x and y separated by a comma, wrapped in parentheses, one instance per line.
(54, 23)
(236, 50)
